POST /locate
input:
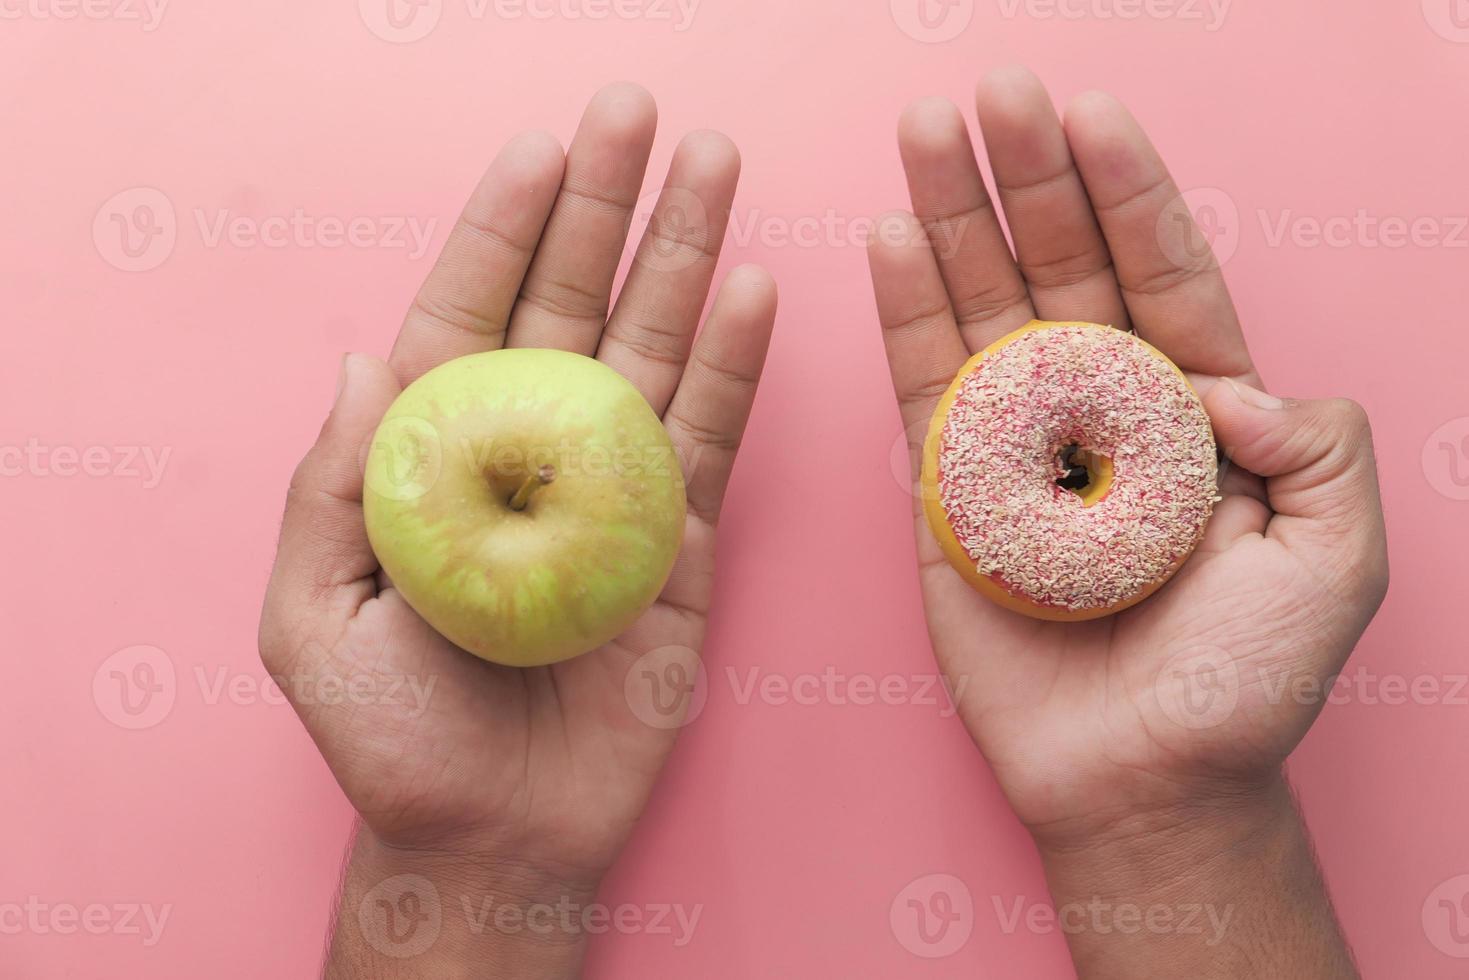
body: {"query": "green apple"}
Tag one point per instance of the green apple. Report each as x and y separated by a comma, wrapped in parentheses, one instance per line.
(527, 503)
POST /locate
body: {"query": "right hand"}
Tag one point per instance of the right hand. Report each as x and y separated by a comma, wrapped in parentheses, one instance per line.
(1089, 724)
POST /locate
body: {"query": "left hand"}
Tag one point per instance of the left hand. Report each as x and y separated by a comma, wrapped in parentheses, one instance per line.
(522, 782)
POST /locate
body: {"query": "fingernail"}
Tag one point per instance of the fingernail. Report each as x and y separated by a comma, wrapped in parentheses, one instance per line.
(1254, 396)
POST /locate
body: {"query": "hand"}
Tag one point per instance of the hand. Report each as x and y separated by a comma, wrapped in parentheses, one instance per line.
(1089, 726)
(523, 781)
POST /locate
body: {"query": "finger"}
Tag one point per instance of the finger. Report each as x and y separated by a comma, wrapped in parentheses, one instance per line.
(1236, 516)
(985, 289)
(1058, 244)
(1232, 479)
(563, 302)
(652, 327)
(707, 416)
(1320, 476)
(464, 305)
(1169, 277)
(923, 345)
(324, 564)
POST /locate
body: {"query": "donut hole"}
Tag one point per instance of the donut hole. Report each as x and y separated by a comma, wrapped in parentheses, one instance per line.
(1086, 473)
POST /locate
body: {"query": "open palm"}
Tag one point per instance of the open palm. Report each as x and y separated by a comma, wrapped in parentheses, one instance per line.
(1202, 683)
(434, 747)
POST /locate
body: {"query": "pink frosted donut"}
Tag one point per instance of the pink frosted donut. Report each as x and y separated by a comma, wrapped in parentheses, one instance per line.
(1070, 469)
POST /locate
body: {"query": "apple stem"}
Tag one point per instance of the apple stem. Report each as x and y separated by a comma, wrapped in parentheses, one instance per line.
(532, 483)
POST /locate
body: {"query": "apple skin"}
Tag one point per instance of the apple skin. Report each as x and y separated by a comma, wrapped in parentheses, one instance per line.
(589, 552)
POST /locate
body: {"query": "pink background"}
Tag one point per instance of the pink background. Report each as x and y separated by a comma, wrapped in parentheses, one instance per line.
(795, 826)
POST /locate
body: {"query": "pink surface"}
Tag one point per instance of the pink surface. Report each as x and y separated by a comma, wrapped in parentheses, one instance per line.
(1325, 137)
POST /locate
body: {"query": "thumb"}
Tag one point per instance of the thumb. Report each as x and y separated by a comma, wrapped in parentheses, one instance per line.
(323, 543)
(1320, 473)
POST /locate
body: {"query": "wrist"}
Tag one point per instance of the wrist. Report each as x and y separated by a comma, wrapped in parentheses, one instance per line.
(462, 912)
(1222, 885)
(1195, 814)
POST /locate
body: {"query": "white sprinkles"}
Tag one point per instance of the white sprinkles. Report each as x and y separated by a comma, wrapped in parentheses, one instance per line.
(1102, 390)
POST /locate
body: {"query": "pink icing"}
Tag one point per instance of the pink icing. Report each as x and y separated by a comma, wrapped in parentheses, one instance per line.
(1107, 392)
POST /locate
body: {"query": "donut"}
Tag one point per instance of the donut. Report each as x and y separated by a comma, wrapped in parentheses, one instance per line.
(1069, 470)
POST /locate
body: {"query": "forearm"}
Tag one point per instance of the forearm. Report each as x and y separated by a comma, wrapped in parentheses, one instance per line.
(1223, 890)
(447, 916)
